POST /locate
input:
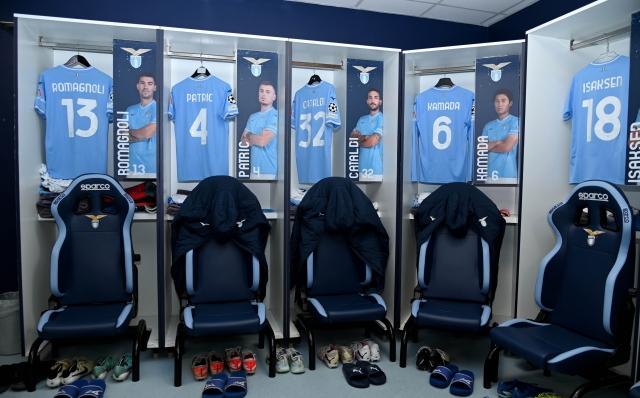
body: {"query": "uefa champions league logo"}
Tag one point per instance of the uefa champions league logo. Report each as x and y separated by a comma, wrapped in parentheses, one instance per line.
(256, 68)
(135, 58)
(496, 73)
(364, 75)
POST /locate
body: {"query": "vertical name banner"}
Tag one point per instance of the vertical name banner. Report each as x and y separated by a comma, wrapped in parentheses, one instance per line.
(364, 120)
(632, 165)
(257, 124)
(134, 109)
(496, 158)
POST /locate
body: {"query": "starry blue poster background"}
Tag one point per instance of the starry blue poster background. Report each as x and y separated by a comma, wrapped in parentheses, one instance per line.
(125, 94)
(485, 89)
(357, 99)
(247, 89)
(634, 94)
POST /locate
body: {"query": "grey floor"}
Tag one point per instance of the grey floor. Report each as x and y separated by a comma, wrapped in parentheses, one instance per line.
(466, 351)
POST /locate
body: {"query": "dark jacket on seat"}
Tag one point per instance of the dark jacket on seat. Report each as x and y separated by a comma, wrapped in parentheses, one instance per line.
(223, 208)
(336, 204)
(462, 206)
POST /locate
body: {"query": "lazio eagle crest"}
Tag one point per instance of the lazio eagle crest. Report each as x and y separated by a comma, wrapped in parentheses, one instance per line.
(135, 58)
(591, 239)
(95, 220)
(496, 73)
(256, 68)
(364, 73)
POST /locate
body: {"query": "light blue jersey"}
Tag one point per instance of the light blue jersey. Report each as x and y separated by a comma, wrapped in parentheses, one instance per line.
(502, 164)
(264, 159)
(142, 154)
(78, 106)
(441, 134)
(597, 105)
(371, 158)
(200, 110)
(314, 114)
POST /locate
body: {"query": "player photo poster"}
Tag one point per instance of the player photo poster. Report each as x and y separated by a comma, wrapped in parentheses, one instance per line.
(364, 120)
(497, 123)
(134, 109)
(257, 126)
(632, 172)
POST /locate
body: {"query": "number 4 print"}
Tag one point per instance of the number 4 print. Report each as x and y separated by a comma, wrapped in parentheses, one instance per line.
(199, 127)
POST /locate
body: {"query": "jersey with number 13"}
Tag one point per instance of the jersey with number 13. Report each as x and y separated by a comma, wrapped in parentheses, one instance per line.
(441, 133)
(314, 115)
(78, 106)
(597, 106)
(200, 110)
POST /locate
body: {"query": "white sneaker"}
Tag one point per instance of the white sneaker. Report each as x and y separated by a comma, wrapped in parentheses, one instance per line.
(361, 351)
(296, 362)
(282, 363)
(374, 349)
(329, 355)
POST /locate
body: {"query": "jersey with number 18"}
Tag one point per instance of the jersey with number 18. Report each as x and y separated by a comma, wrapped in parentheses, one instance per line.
(313, 115)
(78, 106)
(200, 110)
(597, 105)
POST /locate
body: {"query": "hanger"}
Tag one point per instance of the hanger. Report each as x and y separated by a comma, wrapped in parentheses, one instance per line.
(606, 54)
(77, 60)
(202, 71)
(444, 81)
(314, 78)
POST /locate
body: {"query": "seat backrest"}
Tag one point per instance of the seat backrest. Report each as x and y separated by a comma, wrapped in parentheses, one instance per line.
(92, 259)
(221, 272)
(583, 282)
(334, 268)
(454, 268)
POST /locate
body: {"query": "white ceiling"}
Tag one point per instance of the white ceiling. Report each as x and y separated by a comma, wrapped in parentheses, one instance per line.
(475, 12)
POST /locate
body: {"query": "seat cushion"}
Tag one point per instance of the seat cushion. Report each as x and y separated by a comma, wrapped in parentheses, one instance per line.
(224, 318)
(347, 308)
(85, 321)
(551, 347)
(452, 315)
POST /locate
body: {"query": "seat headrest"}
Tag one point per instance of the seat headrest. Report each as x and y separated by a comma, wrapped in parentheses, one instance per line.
(223, 217)
(101, 193)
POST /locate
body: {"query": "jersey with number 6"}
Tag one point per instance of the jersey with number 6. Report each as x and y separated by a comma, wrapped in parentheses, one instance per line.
(314, 115)
(597, 106)
(200, 110)
(78, 106)
(441, 132)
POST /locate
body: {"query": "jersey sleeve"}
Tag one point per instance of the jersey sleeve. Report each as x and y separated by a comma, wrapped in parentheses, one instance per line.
(378, 127)
(154, 114)
(333, 110)
(41, 102)
(515, 126)
(172, 108)
(228, 109)
(294, 114)
(568, 110)
(415, 151)
(110, 101)
(272, 122)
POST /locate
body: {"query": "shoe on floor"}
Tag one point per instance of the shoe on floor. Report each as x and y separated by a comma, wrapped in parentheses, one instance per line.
(374, 350)
(282, 363)
(123, 368)
(216, 363)
(104, 365)
(345, 353)
(296, 362)
(249, 363)
(329, 355)
(233, 359)
(422, 358)
(80, 367)
(529, 391)
(506, 388)
(361, 351)
(200, 367)
(54, 375)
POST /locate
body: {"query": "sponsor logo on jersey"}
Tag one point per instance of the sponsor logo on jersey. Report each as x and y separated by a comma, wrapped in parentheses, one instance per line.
(600, 197)
(135, 58)
(496, 73)
(364, 73)
(95, 187)
(256, 68)
(231, 99)
(591, 239)
(95, 220)
(333, 107)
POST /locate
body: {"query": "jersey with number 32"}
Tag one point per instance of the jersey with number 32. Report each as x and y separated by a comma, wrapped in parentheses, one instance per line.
(441, 135)
(78, 106)
(597, 106)
(314, 115)
(200, 110)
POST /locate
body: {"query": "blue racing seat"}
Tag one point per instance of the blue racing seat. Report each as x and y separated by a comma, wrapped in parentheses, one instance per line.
(583, 290)
(93, 277)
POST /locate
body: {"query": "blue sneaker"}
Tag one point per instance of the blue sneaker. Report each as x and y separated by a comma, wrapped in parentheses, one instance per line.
(506, 388)
(530, 391)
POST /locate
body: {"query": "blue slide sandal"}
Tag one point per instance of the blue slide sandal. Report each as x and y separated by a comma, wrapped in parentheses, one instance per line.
(215, 386)
(95, 389)
(72, 390)
(442, 375)
(236, 386)
(462, 383)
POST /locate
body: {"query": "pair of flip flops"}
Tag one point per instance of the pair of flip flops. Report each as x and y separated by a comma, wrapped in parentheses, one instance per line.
(459, 382)
(362, 373)
(82, 389)
(231, 386)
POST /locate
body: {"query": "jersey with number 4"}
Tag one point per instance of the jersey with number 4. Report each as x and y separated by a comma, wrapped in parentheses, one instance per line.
(313, 115)
(597, 106)
(77, 104)
(441, 132)
(200, 110)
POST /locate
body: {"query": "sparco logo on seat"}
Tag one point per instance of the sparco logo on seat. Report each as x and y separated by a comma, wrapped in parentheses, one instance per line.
(602, 197)
(95, 187)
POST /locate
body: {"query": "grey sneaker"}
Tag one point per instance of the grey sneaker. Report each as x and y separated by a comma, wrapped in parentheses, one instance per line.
(296, 362)
(282, 364)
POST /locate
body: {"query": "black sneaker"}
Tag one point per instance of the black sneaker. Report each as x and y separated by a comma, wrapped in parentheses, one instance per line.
(422, 358)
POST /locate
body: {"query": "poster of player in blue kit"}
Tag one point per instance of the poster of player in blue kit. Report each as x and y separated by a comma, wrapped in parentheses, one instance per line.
(632, 172)
(364, 120)
(134, 109)
(497, 125)
(257, 123)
